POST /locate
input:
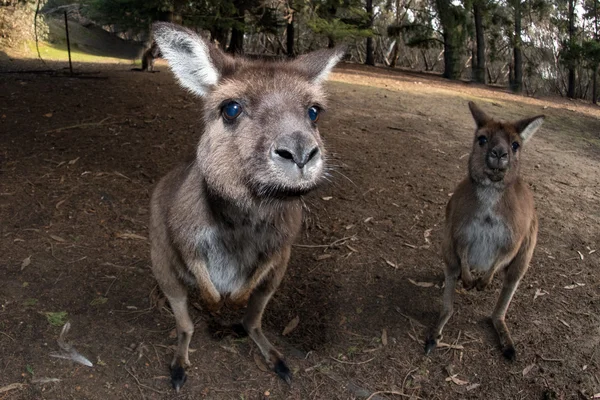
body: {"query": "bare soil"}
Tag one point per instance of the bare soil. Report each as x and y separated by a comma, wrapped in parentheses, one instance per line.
(78, 160)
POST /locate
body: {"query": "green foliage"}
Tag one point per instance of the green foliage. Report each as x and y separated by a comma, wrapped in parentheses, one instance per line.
(338, 20)
(57, 318)
(590, 53)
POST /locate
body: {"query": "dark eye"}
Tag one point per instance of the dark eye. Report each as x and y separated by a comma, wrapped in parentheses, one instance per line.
(482, 140)
(231, 110)
(515, 146)
(313, 113)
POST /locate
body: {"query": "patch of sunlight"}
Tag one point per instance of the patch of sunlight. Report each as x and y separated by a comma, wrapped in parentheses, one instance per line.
(52, 52)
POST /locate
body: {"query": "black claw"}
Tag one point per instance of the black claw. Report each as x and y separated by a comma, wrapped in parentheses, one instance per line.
(178, 377)
(510, 353)
(283, 371)
(430, 344)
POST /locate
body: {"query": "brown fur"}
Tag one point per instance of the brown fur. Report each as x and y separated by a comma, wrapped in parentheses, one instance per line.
(225, 221)
(491, 224)
(149, 57)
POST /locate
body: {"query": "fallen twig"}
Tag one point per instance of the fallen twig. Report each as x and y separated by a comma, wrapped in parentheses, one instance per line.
(141, 384)
(392, 392)
(549, 359)
(83, 125)
(352, 363)
(310, 246)
(12, 386)
(8, 336)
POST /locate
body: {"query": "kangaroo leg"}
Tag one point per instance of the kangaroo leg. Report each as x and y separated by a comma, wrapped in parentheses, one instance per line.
(514, 273)
(252, 321)
(465, 270)
(452, 272)
(185, 330)
(176, 293)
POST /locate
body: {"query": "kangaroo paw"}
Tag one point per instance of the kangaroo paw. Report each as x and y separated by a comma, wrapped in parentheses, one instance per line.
(431, 343)
(178, 377)
(282, 371)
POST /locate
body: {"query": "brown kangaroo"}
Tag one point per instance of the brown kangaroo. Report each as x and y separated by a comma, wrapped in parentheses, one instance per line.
(491, 223)
(149, 57)
(225, 221)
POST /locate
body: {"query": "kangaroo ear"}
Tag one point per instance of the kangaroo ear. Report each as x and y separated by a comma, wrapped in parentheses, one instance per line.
(528, 126)
(318, 64)
(480, 117)
(197, 64)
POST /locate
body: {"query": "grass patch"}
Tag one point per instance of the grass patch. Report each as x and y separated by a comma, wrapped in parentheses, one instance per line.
(97, 301)
(57, 318)
(58, 52)
(30, 302)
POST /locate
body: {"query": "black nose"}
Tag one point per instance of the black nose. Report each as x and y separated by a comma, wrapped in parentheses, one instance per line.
(298, 148)
(499, 153)
(300, 158)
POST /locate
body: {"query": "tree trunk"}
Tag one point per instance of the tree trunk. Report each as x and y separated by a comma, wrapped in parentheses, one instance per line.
(370, 48)
(290, 37)
(219, 36)
(453, 33)
(236, 42)
(571, 79)
(394, 58)
(451, 58)
(517, 81)
(331, 43)
(479, 34)
(595, 85)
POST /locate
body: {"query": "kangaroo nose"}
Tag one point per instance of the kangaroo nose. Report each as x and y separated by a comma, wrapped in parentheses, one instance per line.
(499, 153)
(300, 158)
(297, 148)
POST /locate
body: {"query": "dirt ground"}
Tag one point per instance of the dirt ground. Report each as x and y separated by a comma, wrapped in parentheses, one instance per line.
(78, 160)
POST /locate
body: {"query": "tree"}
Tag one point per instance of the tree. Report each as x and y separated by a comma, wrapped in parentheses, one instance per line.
(453, 22)
(516, 79)
(591, 47)
(337, 20)
(478, 13)
(370, 59)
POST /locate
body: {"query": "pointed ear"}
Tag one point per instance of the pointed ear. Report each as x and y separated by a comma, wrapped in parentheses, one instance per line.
(197, 64)
(318, 64)
(479, 116)
(528, 126)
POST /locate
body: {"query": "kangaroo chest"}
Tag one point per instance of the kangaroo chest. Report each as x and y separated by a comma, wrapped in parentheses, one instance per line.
(234, 250)
(486, 235)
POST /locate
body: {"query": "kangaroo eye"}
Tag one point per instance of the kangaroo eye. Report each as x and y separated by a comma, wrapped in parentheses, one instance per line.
(231, 110)
(482, 140)
(515, 146)
(313, 114)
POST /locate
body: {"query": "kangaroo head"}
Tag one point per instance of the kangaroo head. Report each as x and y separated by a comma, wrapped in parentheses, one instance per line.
(497, 147)
(261, 137)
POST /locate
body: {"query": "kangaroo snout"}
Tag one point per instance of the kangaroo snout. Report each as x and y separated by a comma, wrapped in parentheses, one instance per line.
(298, 150)
(497, 158)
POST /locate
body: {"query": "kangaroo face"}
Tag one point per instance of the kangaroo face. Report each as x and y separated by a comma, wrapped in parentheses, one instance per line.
(497, 147)
(261, 138)
(264, 123)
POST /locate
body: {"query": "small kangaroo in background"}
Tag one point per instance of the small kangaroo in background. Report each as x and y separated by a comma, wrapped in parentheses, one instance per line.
(491, 224)
(225, 221)
(149, 57)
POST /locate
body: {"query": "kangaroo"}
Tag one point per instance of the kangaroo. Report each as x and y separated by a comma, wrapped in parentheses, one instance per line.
(149, 57)
(224, 222)
(491, 224)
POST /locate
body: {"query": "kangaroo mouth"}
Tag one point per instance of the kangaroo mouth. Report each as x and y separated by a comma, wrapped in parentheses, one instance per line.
(282, 192)
(495, 174)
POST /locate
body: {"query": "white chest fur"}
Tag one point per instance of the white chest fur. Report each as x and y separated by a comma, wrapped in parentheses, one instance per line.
(486, 233)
